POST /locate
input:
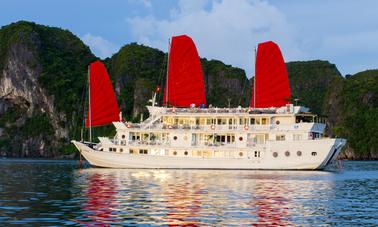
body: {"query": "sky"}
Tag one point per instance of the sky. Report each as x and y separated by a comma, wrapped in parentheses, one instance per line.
(344, 32)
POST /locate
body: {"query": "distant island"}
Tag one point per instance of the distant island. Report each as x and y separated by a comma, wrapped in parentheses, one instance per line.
(43, 76)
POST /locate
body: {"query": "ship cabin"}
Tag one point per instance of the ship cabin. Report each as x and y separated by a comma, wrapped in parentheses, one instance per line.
(216, 128)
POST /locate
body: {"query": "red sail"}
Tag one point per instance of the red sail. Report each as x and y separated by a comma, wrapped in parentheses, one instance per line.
(272, 88)
(185, 78)
(103, 106)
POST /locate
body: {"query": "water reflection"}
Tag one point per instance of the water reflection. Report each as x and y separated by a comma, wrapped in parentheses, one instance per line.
(45, 193)
(101, 198)
(196, 198)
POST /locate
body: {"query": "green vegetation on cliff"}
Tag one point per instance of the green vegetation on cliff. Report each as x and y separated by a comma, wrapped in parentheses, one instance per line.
(310, 81)
(136, 71)
(55, 60)
(225, 84)
(356, 97)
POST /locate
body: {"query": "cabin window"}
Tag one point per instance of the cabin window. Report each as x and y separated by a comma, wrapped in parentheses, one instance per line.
(121, 150)
(175, 153)
(287, 153)
(175, 137)
(131, 151)
(123, 136)
(257, 154)
(220, 138)
(259, 139)
(241, 138)
(257, 121)
(241, 121)
(230, 139)
(280, 137)
(275, 154)
(314, 153)
(299, 153)
(185, 153)
(264, 121)
(297, 137)
(143, 151)
(240, 154)
(252, 121)
(278, 122)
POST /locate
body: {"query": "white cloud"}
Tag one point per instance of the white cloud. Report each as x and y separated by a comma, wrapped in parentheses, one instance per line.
(145, 3)
(227, 30)
(99, 46)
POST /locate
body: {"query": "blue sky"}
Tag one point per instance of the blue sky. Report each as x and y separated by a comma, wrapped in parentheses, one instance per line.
(345, 32)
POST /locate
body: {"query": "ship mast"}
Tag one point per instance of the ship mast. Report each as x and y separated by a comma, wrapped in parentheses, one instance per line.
(254, 82)
(166, 95)
(90, 107)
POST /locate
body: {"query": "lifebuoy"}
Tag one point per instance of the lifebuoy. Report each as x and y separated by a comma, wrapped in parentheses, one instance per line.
(246, 127)
(212, 127)
(128, 126)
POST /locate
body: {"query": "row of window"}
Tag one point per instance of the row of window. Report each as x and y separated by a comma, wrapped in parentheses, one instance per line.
(299, 153)
(218, 121)
(256, 153)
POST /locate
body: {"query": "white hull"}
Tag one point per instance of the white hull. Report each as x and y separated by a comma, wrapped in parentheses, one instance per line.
(326, 150)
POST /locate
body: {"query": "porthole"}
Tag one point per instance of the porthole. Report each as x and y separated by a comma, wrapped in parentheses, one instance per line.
(123, 136)
(175, 153)
(287, 153)
(275, 154)
(241, 138)
(121, 150)
(185, 153)
(240, 154)
(175, 137)
(277, 122)
(314, 153)
(299, 153)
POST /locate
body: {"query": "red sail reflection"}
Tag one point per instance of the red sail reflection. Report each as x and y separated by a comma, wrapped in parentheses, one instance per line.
(271, 202)
(101, 193)
(184, 204)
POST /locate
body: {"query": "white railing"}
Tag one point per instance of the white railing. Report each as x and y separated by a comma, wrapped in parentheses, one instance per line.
(154, 143)
(216, 110)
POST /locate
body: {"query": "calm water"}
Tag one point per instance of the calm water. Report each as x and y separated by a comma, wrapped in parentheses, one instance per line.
(36, 193)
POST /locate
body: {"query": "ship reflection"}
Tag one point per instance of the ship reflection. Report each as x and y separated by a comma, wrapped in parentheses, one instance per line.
(197, 198)
(183, 204)
(101, 200)
(271, 203)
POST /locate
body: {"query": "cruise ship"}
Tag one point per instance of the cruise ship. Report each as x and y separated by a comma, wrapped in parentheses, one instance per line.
(184, 133)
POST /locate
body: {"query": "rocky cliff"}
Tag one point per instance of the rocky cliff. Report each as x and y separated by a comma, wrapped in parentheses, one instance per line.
(352, 110)
(41, 82)
(350, 104)
(43, 73)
